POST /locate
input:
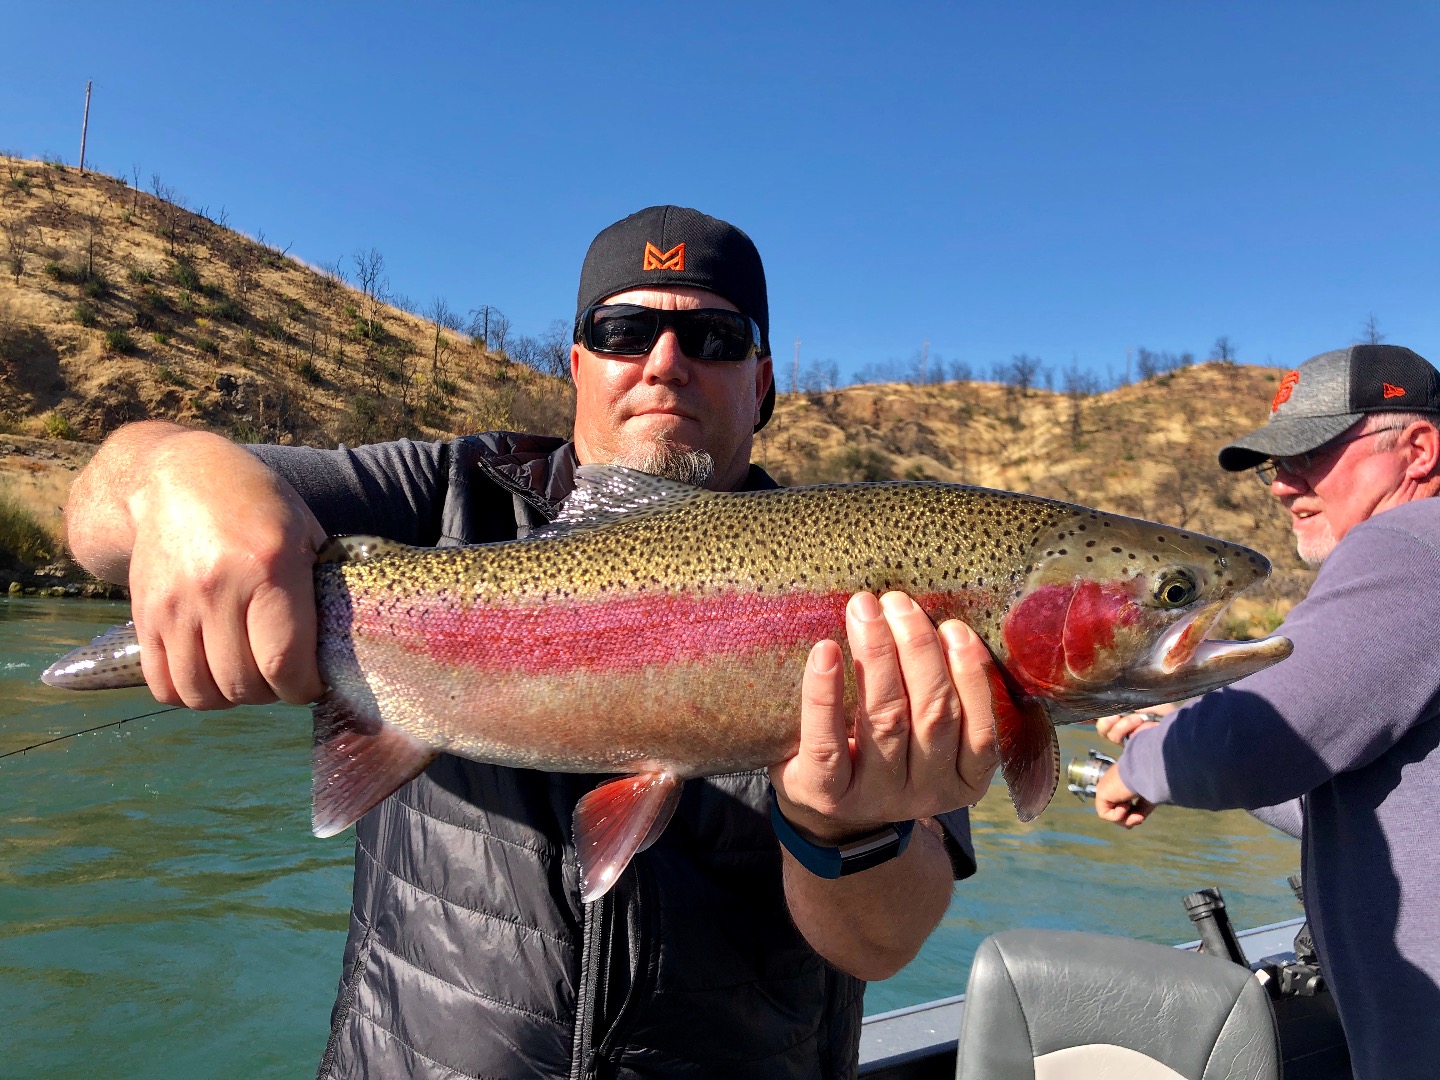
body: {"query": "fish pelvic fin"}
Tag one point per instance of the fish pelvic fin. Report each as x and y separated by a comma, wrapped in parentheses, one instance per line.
(1029, 750)
(618, 820)
(356, 762)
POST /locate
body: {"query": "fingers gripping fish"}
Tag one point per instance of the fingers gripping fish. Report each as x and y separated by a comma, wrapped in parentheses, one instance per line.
(660, 631)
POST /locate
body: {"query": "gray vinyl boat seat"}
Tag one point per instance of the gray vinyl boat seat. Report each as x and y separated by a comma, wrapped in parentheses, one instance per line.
(1061, 1005)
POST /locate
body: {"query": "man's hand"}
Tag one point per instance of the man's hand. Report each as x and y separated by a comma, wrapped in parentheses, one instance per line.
(923, 743)
(1121, 726)
(219, 555)
(924, 739)
(1116, 802)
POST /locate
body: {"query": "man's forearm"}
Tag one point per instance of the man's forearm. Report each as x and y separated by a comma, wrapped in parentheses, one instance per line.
(99, 526)
(873, 923)
(142, 464)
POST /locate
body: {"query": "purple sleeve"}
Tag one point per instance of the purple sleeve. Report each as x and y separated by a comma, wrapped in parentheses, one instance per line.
(394, 489)
(1288, 817)
(1362, 675)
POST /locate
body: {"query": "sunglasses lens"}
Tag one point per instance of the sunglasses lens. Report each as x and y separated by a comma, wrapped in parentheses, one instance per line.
(705, 334)
(622, 329)
(713, 334)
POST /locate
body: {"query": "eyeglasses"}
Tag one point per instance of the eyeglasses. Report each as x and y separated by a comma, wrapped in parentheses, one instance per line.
(1300, 464)
(703, 333)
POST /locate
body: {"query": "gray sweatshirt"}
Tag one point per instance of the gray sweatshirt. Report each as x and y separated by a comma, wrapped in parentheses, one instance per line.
(1349, 724)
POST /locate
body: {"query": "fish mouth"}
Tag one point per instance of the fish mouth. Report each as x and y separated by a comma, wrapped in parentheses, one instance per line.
(1185, 660)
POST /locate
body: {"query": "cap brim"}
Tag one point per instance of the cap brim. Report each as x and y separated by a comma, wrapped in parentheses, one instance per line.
(1285, 438)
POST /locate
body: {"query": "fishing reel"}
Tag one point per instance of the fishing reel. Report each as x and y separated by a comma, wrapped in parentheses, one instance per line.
(1084, 773)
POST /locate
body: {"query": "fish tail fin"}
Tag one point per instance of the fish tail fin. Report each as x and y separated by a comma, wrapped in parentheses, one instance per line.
(1029, 750)
(616, 821)
(356, 762)
(110, 662)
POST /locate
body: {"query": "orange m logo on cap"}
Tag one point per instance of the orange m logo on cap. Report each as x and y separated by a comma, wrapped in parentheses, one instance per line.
(1287, 386)
(655, 259)
(1391, 390)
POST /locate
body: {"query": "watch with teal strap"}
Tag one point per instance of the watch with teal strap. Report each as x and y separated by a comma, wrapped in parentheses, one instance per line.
(845, 859)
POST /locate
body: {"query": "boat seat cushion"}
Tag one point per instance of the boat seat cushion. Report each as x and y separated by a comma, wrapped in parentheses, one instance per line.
(1063, 1005)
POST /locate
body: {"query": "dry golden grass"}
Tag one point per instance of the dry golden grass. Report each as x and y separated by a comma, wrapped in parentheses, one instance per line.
(126, 306)
(117, 305)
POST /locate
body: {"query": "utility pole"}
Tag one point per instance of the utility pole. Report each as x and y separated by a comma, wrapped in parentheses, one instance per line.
(795, 378)
(84, 127)
(1127, 367)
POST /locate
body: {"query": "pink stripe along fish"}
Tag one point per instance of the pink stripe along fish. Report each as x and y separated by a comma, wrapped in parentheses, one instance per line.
(660, 631)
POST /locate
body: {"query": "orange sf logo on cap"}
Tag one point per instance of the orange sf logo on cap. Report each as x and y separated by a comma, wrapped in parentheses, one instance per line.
(1391, 390)
(1287, 387)
(655, 259)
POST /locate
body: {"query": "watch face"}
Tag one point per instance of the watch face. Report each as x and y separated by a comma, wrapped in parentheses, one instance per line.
(874, 850)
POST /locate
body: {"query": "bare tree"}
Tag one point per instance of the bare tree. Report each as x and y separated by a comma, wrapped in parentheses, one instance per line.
(168, 212)
(1078, 385)
(555, 349)
(499, 337)
(93, 235)
(1022, 372)
(1223, 349)
(19, 242)
(370, 277)
(1371, 334)
(442, 318)
(819, 376)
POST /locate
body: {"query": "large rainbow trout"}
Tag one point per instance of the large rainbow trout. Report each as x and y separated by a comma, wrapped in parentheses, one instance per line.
(660, 631)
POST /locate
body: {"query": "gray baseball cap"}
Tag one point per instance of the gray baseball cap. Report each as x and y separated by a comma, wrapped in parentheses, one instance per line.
(1328, 394)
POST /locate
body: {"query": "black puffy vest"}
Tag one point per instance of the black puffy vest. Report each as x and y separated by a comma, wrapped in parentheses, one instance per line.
(470, 954)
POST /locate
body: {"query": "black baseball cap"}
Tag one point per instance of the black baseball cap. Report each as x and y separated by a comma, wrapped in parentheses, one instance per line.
(1328, 394)
(675, 245)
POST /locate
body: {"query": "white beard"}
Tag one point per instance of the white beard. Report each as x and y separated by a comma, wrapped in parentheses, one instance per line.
(1314, 550)
(672, 462)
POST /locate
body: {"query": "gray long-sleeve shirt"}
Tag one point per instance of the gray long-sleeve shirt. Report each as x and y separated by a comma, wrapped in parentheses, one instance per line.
(1349, 724)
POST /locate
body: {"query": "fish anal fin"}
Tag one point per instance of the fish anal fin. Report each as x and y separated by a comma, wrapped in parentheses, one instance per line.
(356, 762)
(616, 821)
(1029, 750)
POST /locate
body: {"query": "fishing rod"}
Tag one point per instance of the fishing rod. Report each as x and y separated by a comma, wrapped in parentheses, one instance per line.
(88, 730)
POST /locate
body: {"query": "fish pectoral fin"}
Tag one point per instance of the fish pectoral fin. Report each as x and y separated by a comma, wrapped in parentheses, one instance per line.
(356, 762)
(616, 821)
(1029, 752)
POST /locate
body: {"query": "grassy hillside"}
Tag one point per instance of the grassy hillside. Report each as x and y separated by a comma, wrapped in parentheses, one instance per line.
(118, 304)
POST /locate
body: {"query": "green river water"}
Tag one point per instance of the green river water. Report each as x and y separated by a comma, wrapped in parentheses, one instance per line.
(166, 913)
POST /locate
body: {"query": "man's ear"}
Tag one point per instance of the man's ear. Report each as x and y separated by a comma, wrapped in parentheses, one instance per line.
(764, 376)
(575, 363)
(1423, 444)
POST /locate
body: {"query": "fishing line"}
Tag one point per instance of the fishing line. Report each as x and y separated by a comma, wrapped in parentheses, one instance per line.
(86, 731)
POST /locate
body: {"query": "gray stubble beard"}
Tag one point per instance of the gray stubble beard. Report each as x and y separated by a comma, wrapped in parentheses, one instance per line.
(665, 459)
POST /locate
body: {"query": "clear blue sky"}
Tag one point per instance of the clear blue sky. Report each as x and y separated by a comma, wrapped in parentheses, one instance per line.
(1063, 180)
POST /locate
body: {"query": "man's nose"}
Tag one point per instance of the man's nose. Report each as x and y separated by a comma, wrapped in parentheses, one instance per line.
(1288, 483)
(665, 362)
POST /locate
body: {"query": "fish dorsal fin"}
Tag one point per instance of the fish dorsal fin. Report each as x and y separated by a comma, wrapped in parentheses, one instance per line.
(608, 493)
(356, 548)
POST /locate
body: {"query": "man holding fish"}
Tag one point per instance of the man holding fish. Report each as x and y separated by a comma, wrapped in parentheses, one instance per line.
(470, 950)
(1340, 746)
(507, 616)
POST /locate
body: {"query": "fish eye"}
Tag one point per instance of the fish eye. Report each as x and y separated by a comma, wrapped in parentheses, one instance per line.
(1176, 589)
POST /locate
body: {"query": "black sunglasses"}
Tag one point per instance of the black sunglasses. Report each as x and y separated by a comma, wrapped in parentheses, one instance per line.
(703, 333)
